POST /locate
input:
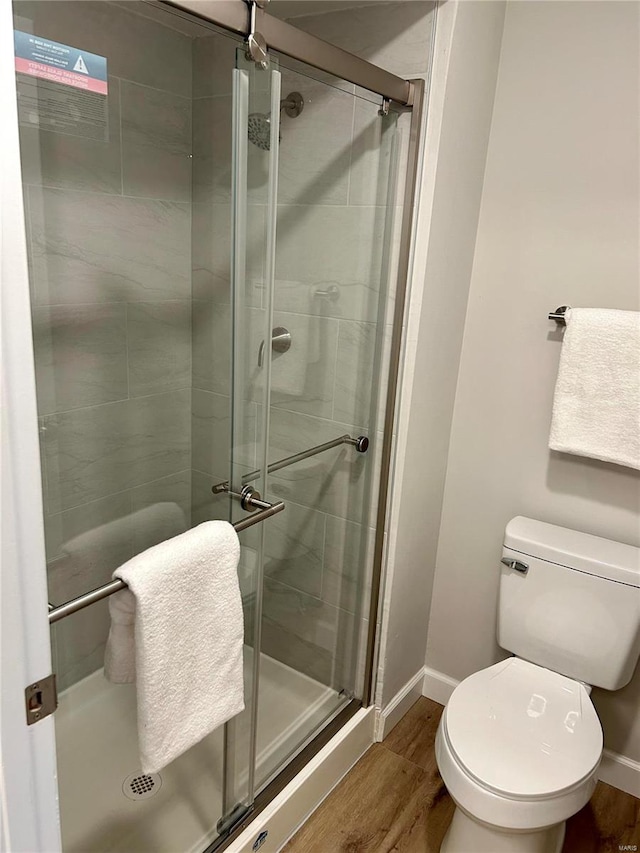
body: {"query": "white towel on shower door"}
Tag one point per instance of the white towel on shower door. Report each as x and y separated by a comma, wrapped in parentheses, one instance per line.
(178, 632)
(596, 408)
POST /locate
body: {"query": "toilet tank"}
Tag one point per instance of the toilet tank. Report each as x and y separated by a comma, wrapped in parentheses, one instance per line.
(575, 608)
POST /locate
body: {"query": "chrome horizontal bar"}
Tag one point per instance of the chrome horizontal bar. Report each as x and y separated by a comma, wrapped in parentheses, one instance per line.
(82, 601)
(361, 444)
(274, 509)
(85, 600)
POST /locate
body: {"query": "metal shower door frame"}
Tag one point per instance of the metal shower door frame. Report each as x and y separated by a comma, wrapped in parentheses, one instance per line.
(235, 16)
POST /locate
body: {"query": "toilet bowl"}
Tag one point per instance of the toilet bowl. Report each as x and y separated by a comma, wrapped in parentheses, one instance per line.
(518, 748)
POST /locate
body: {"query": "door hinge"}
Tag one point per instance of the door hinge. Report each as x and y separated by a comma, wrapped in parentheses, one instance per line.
(40, 699)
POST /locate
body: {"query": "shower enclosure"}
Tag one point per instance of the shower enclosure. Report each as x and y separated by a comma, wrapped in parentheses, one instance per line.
(217, 260)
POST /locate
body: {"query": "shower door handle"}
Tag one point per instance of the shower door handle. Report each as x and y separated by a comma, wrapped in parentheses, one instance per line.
(280, 342)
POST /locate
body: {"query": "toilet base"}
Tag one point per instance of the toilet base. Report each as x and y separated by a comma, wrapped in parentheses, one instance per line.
(466, 835)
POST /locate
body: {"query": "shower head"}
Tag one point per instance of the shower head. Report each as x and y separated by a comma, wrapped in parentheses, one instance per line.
(259, 130)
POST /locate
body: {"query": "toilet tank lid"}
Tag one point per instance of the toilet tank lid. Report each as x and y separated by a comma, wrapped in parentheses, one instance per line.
(580, 551)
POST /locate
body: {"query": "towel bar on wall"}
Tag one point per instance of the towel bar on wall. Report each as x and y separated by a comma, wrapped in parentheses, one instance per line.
(250, 500)
(558, 315)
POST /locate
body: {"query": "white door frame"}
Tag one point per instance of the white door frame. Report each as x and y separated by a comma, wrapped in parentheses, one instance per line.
(29, 820)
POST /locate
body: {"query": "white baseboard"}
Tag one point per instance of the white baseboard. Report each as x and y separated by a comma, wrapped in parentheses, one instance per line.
(616, 770)
(438, 686)
(392, 713)
(302, 796)
(621, 772)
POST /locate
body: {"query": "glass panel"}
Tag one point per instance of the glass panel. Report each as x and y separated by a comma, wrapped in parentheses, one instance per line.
(255, 154)
(334, 225)
(127, 197)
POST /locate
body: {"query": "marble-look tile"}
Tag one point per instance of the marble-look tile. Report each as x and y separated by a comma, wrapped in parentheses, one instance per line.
(348, 562)
(211, 347)
(212, 151)
(332, 482)
(212, 448)
(102, 248)
(160, 510)
(156, 143)
(287, 63)
(85, 544)
(293, 549)
(302, 378)
(374, 157)
(330, 244)
(306, 633)
(212, 147)
(315, 147)
(159, 346)
(211, 248)
(75, 162)
(136, 47)
(210, 431)
(395, 37)
(205, 506)
(78, 644)
(355, 379)
(214, 58)
(80, 355)
(211, 251)
(329, 298)
(101, 450)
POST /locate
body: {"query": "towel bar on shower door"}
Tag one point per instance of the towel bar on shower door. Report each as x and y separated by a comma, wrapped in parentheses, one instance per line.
(249, 499)
(361, 444)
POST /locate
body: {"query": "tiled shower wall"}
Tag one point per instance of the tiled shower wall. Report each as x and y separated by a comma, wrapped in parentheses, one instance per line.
(109, 250)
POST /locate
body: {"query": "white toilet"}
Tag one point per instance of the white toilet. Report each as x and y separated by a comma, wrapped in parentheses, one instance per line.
(519, 743)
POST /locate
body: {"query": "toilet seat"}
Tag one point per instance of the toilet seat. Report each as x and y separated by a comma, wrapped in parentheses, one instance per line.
(523, 732)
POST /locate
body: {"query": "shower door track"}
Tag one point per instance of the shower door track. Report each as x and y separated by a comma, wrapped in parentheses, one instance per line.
(288, 773)
(235, 15)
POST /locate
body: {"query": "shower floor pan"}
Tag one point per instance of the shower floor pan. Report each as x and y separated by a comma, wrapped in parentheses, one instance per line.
(98, 761)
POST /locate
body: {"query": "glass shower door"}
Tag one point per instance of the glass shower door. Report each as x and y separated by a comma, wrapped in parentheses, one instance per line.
(255, 116)
(314, 172)
(132, 353)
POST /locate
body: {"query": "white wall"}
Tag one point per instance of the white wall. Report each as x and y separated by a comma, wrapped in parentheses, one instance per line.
(466, 56)
(558, 225)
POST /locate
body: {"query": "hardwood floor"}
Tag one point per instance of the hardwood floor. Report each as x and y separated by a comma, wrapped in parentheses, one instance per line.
(394, 801)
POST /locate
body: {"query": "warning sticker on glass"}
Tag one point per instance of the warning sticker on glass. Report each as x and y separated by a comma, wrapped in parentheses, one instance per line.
(60, 87)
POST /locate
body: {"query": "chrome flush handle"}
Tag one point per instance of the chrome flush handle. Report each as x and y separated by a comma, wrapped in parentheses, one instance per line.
(523, 568)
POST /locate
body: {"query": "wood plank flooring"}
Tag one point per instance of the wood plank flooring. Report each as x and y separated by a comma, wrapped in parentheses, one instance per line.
(394, 801)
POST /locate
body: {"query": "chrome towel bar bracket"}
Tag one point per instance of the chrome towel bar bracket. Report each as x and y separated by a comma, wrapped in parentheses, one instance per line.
(249, 499)
(558, 315)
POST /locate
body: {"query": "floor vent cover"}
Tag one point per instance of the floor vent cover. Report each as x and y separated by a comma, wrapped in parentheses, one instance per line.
(141, 786)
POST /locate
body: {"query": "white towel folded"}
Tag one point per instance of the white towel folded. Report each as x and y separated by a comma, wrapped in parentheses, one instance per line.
(178, 632)
(596, 408)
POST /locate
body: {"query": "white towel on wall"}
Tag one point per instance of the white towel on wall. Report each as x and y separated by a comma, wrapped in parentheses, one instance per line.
(178, 632)
(596, 408)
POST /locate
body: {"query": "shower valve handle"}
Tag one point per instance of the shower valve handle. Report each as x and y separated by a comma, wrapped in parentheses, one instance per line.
(280, 342)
